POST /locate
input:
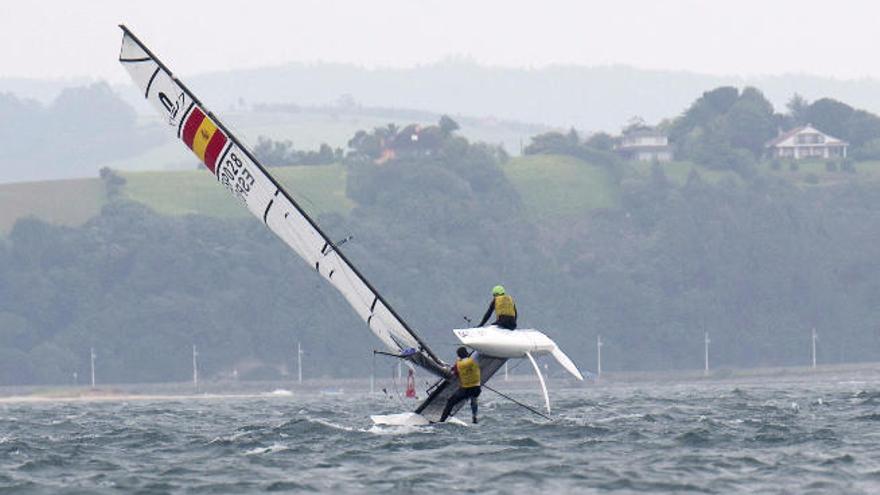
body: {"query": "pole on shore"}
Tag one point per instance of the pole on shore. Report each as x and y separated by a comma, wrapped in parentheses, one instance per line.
(373, 375)
(598, 356)
(195, 368)
(299, 363)
(92, 354)
(815, 337)
(706, 343)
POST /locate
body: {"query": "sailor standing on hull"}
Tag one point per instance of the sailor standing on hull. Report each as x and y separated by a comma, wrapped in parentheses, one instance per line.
(504, 308)
(468, 372)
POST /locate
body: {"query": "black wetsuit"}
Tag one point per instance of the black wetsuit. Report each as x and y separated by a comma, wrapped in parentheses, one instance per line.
(508, 322)
(461, 394)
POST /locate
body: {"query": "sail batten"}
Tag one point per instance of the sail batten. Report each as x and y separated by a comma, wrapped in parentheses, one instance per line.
(235, 167)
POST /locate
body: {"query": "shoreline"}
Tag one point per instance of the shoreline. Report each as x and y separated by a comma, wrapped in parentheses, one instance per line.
(224, 390)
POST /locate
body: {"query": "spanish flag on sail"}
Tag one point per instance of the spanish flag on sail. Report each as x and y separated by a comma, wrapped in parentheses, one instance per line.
(203, 137)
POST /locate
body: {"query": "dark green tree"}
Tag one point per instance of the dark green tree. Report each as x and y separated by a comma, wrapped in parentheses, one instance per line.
(447, 125)
(751, 122)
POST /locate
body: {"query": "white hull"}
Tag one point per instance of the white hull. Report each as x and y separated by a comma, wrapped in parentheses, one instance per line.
(408, 419)
(511, 344)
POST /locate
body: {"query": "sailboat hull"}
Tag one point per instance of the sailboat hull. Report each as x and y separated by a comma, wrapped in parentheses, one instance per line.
(432, 407)
(512, 344)
(502, 343)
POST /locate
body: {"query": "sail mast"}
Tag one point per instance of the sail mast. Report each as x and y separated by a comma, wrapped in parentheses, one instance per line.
(356, 295)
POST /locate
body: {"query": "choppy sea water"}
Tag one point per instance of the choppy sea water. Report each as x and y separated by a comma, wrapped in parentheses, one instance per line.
(805, 435)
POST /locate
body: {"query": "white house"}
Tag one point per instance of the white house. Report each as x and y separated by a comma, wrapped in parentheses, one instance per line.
(806, 142)
(644, 144)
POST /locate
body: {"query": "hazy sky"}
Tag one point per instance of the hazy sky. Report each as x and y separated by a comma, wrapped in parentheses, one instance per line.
(64, 38)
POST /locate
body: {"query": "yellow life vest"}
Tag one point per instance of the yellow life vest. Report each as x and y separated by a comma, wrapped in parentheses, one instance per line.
(504, 306)
(468, 373)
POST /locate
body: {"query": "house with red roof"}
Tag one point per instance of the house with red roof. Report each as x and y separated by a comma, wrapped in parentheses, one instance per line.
(806, 142)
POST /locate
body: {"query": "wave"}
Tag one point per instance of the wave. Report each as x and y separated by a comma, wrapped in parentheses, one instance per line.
(275, 447)
(701, 441)
(280, 392)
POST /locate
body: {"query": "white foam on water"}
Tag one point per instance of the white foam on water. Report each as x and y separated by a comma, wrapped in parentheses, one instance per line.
(456, 422)
(394, 430)
(611, 419)
(229, 438)
(409, 419)
(275, 447)
(405, 423)
(401, 419)
(280, 392)
(332, 425)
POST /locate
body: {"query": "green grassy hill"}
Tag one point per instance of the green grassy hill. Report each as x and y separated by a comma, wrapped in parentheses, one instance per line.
(317, 189)
(309, 127)
(678, 172)
(65, 202)
(555, 185)
(551, 186)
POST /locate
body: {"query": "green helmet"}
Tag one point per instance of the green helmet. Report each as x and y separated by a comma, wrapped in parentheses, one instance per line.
(498, 290)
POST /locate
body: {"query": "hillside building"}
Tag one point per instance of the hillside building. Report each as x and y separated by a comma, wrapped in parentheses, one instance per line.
(645, 144)
(806, 142)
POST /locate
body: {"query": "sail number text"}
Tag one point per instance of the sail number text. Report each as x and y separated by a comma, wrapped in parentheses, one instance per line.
(235, 176)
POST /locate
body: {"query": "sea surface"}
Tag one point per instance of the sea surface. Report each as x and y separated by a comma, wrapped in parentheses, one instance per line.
(805, 434)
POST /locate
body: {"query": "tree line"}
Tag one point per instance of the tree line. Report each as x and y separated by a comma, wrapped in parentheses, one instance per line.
(757, 263)
(727, 129)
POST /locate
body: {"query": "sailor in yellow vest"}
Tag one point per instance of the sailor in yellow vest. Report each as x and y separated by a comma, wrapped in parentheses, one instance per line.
(468, 372)
(504, 308)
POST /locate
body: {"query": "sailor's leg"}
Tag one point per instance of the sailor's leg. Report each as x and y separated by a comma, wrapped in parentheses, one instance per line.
(505, 322)
(447, 410)
(457, 397)
(474, 393)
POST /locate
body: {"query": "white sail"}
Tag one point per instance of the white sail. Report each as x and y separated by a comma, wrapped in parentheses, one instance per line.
(236, 168)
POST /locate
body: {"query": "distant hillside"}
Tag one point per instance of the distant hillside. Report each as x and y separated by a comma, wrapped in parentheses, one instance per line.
(42, 90)
(588, 98)
(328, 103)
(551, 187)
(63, 202)
(319, 189)
(618, 250)
(558, 186)
(143, 143)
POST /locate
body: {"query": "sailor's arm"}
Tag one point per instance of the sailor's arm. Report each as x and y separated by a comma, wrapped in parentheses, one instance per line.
(488, 313)
(452, 371)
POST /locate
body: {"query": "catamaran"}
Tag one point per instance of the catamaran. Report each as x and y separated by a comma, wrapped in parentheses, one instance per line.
(236, 168)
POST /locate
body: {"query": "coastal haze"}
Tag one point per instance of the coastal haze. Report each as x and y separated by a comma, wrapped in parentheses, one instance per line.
(685, 196)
